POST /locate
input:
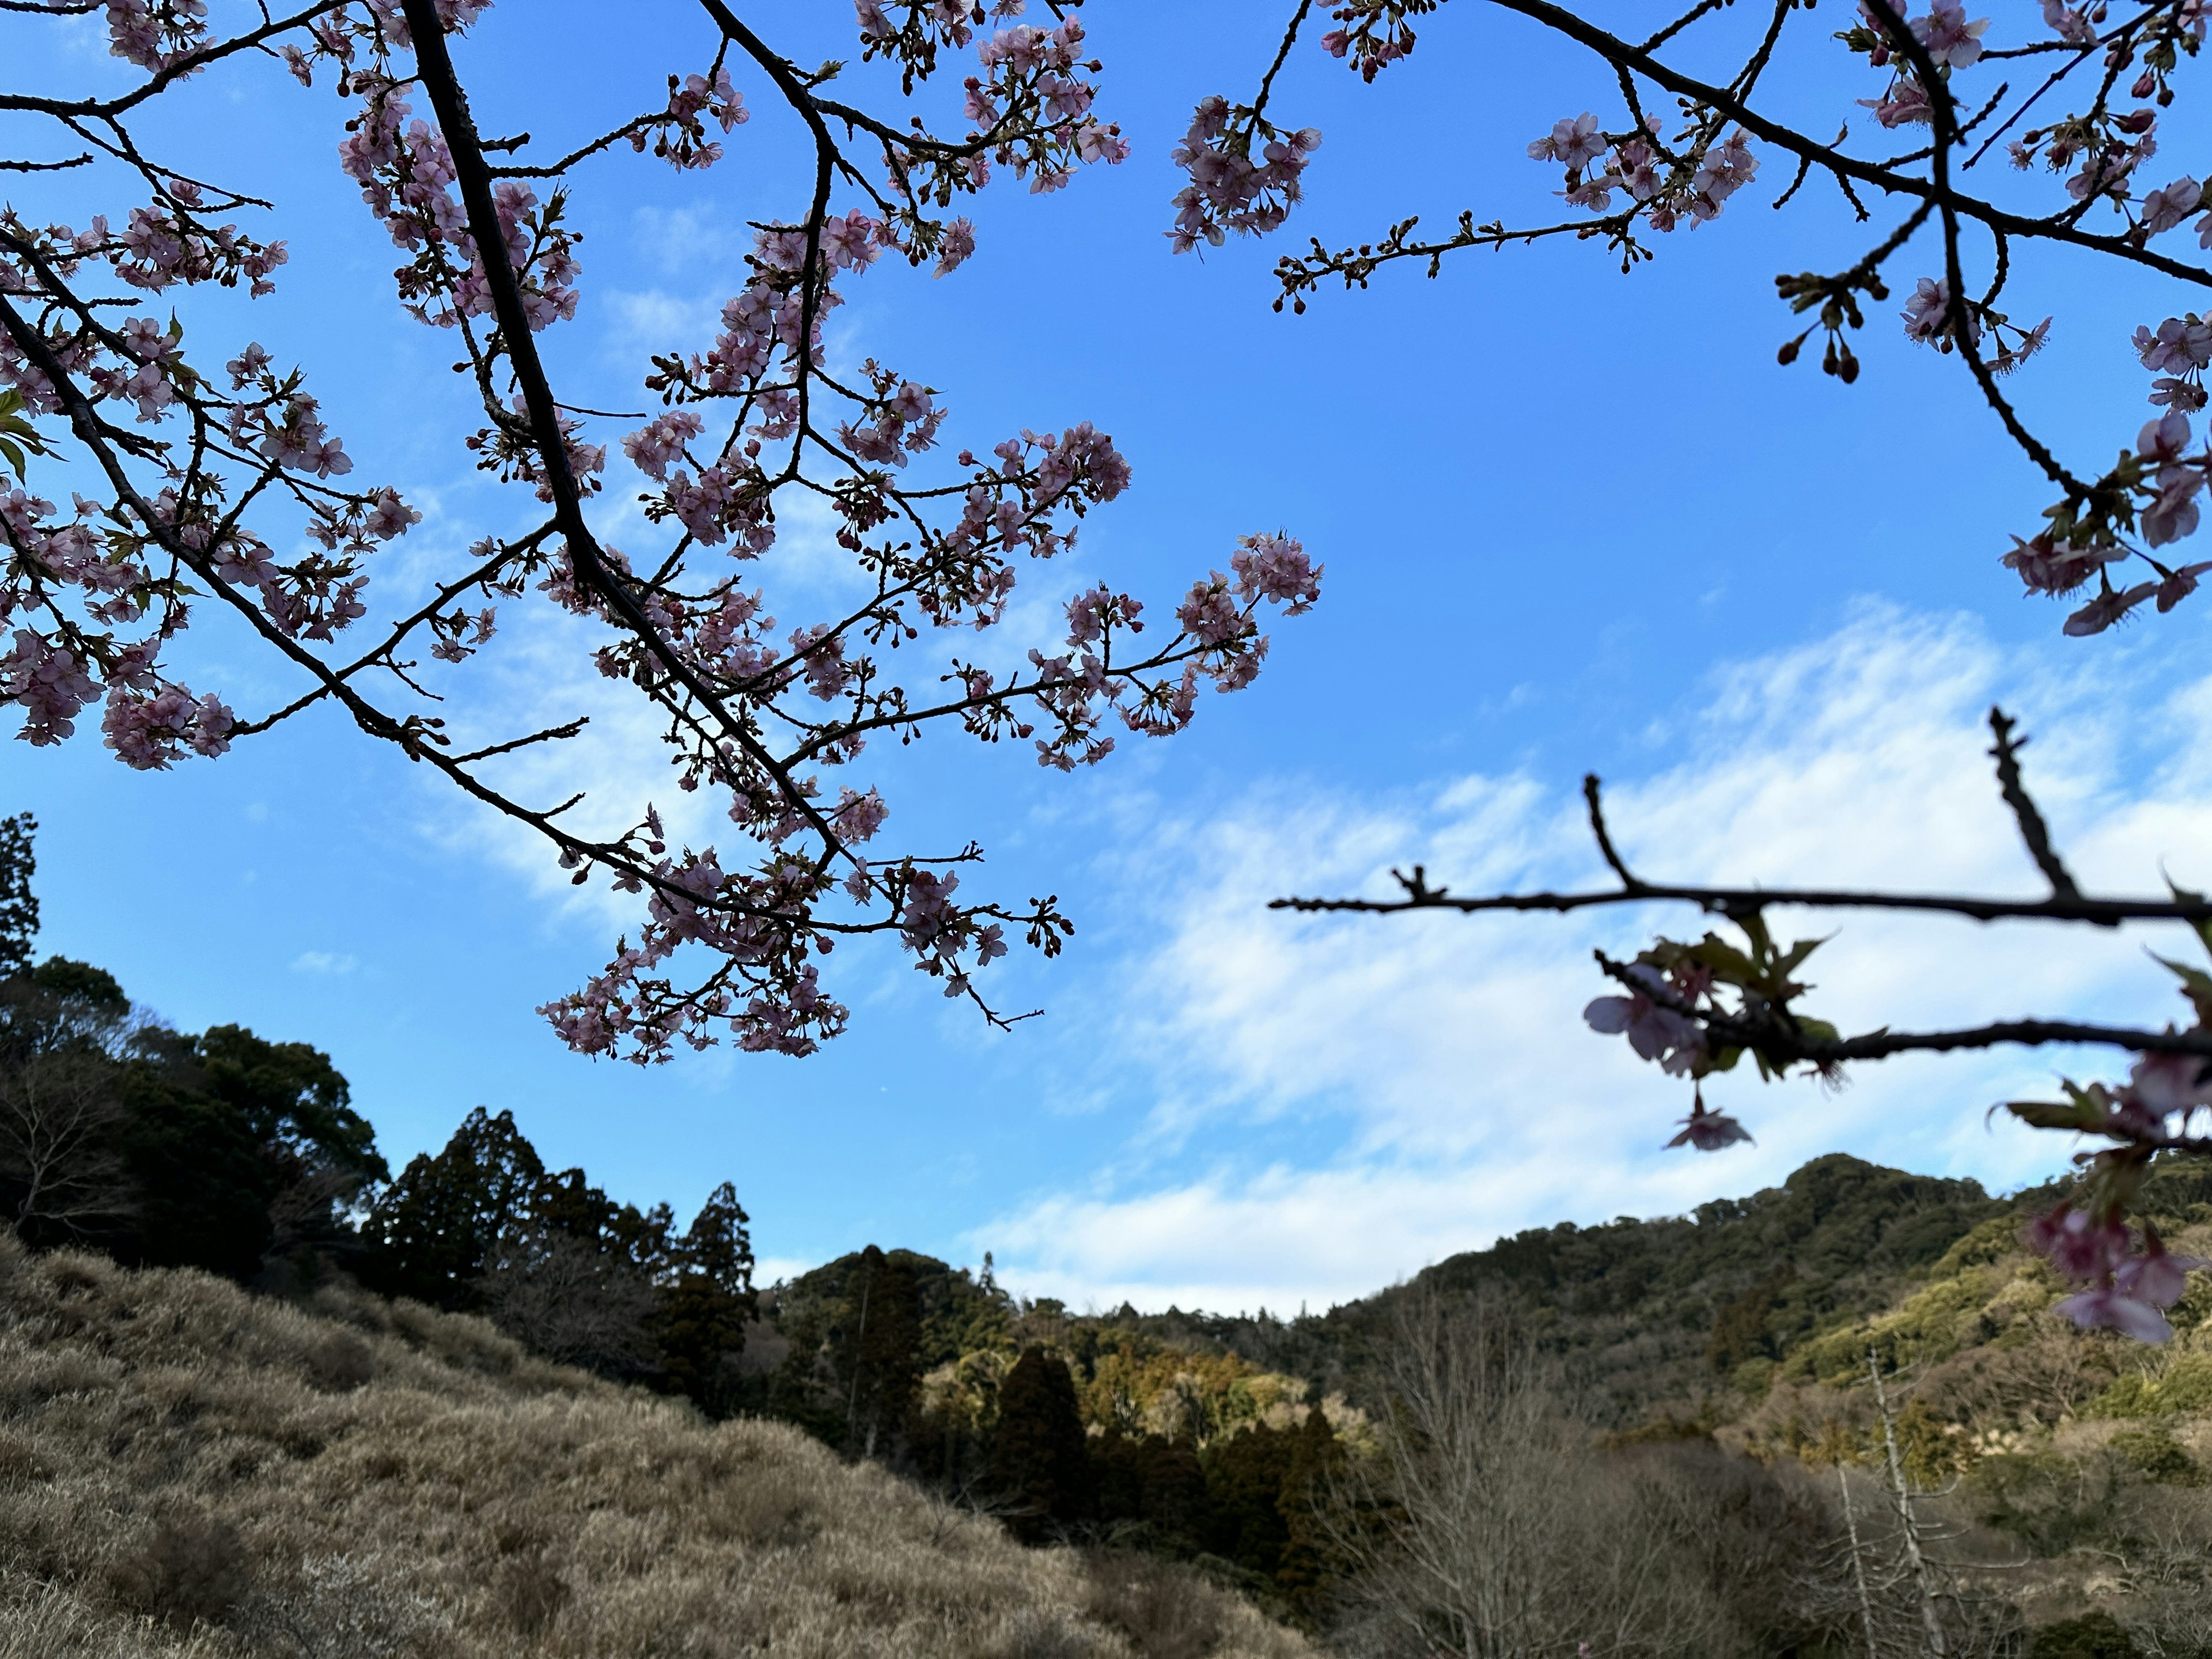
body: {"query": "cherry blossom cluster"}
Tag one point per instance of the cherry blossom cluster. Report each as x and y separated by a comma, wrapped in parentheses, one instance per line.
(1031, 110)
(167, 243)
(2151, 491)
(2130, 1278)
(1371, 34)
(913, 41)
(2129, 1287)
(1696, 1010)
(1232, 187)
(1692, 180)
(681, 140)
(154, 35)
(406, 177)
(73, 582)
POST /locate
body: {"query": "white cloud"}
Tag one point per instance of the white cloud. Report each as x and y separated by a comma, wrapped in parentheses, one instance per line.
(1444, 1058)
(322, 962)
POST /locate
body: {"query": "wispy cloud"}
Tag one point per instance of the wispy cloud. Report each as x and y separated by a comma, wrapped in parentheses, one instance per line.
(1442, 1063)
(322, 962)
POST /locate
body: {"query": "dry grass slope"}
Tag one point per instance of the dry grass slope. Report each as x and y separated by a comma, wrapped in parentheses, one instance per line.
(189, 1471)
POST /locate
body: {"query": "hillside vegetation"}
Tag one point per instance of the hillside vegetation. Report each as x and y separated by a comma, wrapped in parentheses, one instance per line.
(189, 1469)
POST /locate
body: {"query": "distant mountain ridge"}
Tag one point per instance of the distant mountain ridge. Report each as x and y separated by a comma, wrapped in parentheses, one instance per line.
(1653, 1313)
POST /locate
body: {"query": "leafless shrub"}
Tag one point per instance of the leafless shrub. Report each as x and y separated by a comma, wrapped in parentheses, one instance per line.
(341, 1607)
(1034, 1633)
(2044, 1378)
(574, 1304)
(1487, 1524)
(58, 1168)
(530, 1590)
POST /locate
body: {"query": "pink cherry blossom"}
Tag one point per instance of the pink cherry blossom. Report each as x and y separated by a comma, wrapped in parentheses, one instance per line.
(1708, 1131)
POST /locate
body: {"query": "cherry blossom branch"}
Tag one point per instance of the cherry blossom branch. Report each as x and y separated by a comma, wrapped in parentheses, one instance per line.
(1784, 1042)
(435, 65)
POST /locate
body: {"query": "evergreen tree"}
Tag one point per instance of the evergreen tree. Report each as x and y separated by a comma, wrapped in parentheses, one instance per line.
(1040, 1464)
(1117, 1465)
(240, 1149)
(1308, 1565)
(19, 906)
(706, 1302)
(1245, 1475)
(1177, 1505)
(881, 1347)
(435, 1228)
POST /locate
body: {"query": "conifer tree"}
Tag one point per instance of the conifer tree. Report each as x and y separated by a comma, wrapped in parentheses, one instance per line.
(1308, 1561)
(19, 906)
(706, 1302)
(1245, 1475)
(435, 1228)
(1040, 1464)
(882, 1350)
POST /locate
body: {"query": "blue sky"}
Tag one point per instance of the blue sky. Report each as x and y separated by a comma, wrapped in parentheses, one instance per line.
(1571, 520)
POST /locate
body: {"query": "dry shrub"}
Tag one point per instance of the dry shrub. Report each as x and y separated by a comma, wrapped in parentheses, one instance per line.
(341, 1606)
(340, 1362)
(192, 1569)
(529, 1587)
(1034, 1633)
(514, 1510)
(1166, 1613)
(20, 1461)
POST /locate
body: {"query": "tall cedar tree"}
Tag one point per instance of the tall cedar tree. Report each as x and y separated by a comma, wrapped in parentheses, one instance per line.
(1040, 1462)
(434, 1228)
(1176, 1502)
(882, 1351)
(1245, 1476)
(19, 908)
(707, 1302)
(1310, 1565)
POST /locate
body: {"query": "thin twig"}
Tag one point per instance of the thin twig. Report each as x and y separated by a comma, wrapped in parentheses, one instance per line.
(2032, 829)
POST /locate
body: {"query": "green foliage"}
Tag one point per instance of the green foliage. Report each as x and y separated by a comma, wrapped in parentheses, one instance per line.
(432, 1230)
(79, 981)
(1741, 1330)
(1634, 1305)
(2050, 1502)
(2183, 1385)
(2093, 1636)
(1040, 1466)
(1932, 1324)
(483, 1212)
(2157, 1455)
(18, 439)
(19, 906)
(240, 1150)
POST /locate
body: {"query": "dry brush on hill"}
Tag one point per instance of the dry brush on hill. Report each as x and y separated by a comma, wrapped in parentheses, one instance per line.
(192, 1471)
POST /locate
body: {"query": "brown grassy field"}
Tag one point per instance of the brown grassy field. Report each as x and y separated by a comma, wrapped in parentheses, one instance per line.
(192, 1471)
